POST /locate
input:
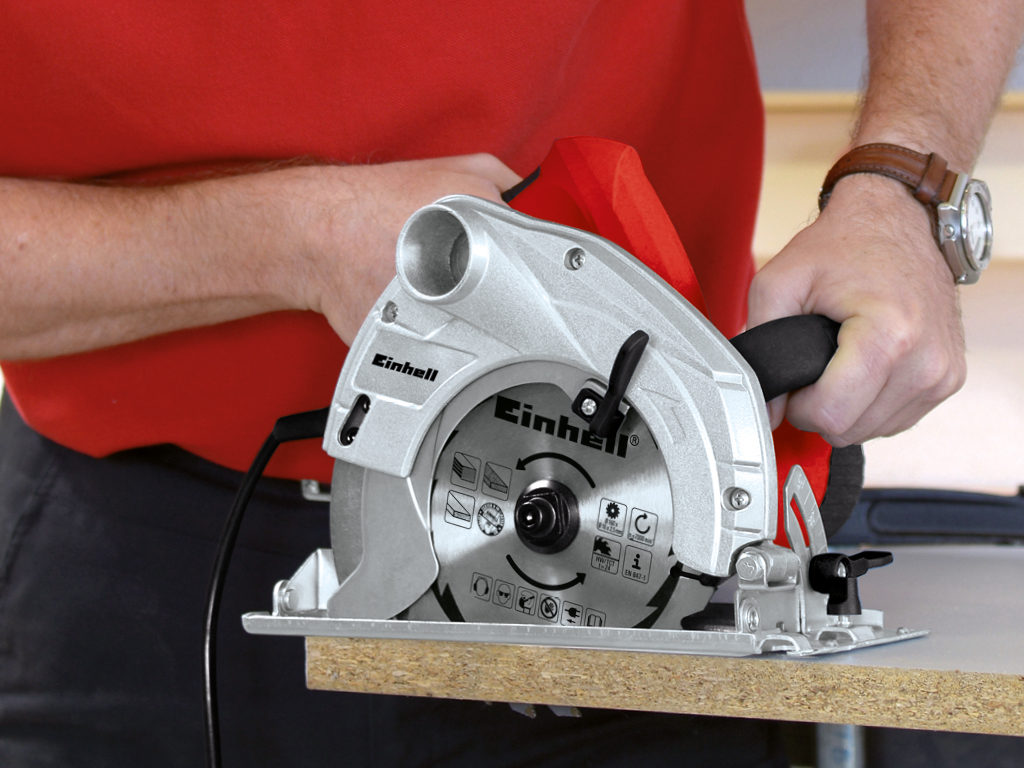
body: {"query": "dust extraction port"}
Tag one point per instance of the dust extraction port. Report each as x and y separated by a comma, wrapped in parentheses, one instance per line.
(435, 254)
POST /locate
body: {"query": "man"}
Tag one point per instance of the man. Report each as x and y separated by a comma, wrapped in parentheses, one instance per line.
(145, 270)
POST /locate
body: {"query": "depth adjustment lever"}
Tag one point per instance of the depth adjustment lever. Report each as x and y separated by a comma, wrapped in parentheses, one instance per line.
(836, 575)
(601, 412)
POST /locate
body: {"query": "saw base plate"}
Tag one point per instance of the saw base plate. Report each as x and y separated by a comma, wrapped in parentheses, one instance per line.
(705, 643)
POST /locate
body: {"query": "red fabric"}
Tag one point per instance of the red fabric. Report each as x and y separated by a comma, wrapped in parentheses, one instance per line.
(197, 389)
(113, 89)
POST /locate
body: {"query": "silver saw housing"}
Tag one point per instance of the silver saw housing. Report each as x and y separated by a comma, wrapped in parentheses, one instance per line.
(451, 415)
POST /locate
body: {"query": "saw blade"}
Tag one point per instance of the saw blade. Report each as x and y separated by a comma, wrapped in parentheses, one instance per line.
(520, 455)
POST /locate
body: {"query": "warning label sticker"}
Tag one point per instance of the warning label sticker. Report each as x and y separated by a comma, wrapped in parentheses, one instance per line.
(611, 517)
(490, 519)
(482, 586)
(572, 615)
(643, 527)
(606, 555)
(503, 592)
(548, 608)
(636, 564)
(526, 601)
(594, 618)
(458, 510)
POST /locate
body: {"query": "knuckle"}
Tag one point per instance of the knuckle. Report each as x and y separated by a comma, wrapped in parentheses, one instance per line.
(875, 361)
(837, 423)
(942, 374)
(893, 431)
(892, 342)
(760, 288)
(950, 384)
(959, 377)
(766, 295)
(838, 441)
(834, 420)
(934, 371)
(899, 340)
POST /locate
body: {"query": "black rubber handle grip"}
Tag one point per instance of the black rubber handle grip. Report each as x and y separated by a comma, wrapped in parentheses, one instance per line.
(790, 352)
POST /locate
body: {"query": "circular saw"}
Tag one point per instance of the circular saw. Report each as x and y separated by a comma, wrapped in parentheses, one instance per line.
(538, 440)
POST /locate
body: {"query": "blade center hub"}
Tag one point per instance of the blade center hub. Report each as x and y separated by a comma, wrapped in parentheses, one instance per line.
(547, 517)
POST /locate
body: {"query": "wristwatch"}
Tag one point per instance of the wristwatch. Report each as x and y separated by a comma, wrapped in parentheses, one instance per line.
(961, 207)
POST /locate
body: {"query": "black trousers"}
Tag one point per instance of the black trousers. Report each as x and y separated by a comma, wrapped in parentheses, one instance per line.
(103, 570)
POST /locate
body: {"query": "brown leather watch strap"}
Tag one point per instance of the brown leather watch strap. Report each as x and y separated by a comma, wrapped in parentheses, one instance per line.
(927, 175)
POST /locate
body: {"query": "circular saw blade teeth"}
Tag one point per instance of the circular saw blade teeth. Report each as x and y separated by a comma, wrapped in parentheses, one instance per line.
(616, 569)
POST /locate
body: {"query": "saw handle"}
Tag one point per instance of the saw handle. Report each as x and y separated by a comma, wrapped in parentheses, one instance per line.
(790, 352)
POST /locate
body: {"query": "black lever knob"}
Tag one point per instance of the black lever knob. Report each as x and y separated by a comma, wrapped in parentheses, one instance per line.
(836, 575)
(602, 412)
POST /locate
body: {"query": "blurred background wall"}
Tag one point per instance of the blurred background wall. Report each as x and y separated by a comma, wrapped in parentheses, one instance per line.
(816, 45)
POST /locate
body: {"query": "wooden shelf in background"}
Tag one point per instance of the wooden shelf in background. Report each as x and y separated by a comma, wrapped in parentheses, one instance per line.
(845, 101)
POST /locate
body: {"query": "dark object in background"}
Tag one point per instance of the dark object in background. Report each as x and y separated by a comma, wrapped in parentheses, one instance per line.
(901, 748)
(925, 516)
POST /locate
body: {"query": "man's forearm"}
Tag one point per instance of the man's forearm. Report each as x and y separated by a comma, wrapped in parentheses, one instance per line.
(85, 266)
(937, 68)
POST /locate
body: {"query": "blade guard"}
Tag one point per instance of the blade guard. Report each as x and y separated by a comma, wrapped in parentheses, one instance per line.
(482, 289)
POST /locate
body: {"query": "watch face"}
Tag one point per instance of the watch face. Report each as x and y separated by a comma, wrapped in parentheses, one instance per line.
(976, 225)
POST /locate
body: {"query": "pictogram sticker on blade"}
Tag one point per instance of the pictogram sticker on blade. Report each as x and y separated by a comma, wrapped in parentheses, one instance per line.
(459, 509)
(643, 527)
(496, 480)
(611, 517)
(605, 556)
(465, 470)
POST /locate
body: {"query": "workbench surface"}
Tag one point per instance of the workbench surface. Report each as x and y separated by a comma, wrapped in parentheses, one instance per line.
(968, 675)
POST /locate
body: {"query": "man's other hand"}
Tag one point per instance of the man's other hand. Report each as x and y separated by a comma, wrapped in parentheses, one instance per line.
(870, 261)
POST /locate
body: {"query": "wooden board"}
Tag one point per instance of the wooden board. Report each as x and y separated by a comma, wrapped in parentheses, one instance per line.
(967, 676)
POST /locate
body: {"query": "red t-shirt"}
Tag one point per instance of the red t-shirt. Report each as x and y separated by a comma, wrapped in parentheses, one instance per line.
(122, 90)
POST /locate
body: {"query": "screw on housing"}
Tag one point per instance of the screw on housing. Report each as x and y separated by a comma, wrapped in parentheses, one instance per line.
(738, 498)
(575, 258)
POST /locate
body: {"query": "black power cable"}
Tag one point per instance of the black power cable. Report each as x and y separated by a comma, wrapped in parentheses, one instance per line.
(299, 426)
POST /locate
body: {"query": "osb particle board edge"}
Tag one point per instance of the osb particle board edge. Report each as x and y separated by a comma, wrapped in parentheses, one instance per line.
(733, 687)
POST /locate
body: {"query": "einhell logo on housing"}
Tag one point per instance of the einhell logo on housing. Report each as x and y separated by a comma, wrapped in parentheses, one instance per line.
(507, 409)
(385, 361)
